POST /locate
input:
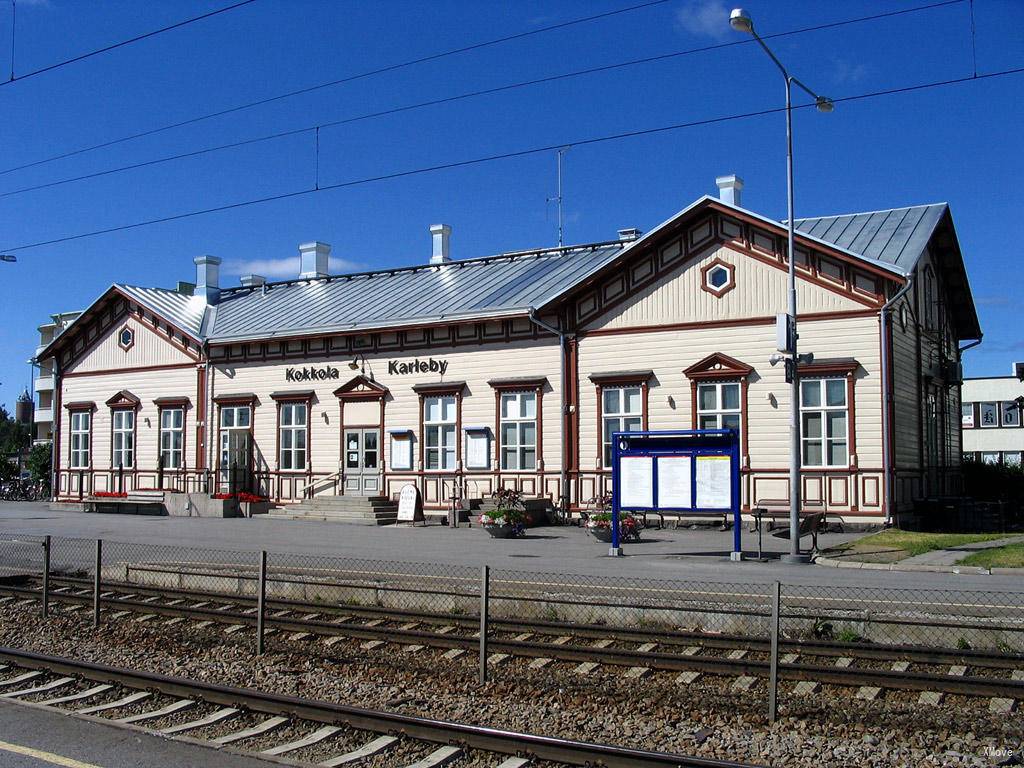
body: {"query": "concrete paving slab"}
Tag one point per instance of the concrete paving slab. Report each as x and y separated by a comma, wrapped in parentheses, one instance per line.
(668, 554)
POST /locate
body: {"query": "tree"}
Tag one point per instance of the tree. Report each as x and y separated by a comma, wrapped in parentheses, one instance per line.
(40, 462)
(14, 437)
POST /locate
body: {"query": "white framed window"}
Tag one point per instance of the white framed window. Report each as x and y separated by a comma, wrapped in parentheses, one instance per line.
(172, 437)
(989, 413)
(439, 440)
(519, 430)
(621, 411)
(718, 406)
(990, 457)
(81, 424)
(1010, 414)
(123, 438)
(967, 415)
(293, 437)
(1011, 458)
(824, 422)
(235, 416)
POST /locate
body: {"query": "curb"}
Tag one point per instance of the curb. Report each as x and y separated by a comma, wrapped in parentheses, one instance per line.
(964, 570)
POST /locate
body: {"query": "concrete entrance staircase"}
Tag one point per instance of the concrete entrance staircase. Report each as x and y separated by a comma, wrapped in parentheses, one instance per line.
(357, 510)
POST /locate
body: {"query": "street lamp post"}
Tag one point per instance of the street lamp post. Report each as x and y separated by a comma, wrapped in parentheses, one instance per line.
(741, 21)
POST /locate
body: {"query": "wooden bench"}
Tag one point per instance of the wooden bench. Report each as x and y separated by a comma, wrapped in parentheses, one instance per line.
(778, 509)
(809, 526)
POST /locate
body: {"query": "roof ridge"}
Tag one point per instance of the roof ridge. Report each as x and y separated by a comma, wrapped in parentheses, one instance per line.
(510, 255)
(869, 213)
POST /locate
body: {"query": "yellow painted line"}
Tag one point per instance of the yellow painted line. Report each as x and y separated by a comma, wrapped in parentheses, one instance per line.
(46, 757)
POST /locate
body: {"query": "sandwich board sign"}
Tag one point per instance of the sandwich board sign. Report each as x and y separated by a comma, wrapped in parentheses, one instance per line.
(410, 505)
(694, 471)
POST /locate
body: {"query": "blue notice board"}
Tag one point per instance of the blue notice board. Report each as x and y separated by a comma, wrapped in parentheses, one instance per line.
(694, 470)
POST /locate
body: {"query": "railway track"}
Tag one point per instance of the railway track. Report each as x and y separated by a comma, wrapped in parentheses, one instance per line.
(869, 668)
(297, 731)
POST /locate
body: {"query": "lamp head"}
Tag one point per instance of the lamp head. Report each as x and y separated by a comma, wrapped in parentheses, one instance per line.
(740, 20)
(354, 365)
(824, 104)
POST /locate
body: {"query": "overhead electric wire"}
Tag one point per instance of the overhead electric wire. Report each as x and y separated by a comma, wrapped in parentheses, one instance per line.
(339, 81)
(973, 78)
(473, 94)
(81, 57)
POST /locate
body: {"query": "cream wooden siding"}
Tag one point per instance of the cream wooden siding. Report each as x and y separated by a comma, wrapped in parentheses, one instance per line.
(679, 298)
(145, 385)
(669, 352)
(474, 364)
(149, 349)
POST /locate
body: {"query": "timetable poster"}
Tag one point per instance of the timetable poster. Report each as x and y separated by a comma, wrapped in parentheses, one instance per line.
(636, 474)
(675, 475)
(714, 482)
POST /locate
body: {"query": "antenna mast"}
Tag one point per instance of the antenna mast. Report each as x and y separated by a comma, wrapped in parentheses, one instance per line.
(558, 198)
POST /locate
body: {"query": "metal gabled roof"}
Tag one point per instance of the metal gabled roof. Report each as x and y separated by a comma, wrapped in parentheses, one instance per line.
(897, 236)
(186, 312)
(493, 286)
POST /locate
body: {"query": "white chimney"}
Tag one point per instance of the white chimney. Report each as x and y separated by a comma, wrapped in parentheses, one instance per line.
(208, 279)
(629, 235)
(252, 281)
(440, 234)
(729, 189)
(314, 260)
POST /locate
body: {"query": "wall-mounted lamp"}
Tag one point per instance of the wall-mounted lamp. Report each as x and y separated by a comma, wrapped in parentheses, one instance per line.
(359, 363)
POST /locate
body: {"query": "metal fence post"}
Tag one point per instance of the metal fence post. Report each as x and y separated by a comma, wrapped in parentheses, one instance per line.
(96, 585)
(773, 668)
(261, 598)
(485, 588)
(46, 576)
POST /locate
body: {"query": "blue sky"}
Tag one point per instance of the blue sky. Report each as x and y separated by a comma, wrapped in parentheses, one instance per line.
(959, 144)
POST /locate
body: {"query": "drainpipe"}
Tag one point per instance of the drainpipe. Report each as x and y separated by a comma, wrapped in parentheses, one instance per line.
(564, 474)
(889, 460)
(55, 436)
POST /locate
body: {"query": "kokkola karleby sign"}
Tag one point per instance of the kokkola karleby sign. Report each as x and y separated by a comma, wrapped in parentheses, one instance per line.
(311, 374)
(430, 365)
(395, 368)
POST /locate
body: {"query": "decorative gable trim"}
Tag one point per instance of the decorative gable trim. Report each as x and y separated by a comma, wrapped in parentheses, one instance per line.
(718, 366)
(707, 225)
(124, 399)
(361, 388)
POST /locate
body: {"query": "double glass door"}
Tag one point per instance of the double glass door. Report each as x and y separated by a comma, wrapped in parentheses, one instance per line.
(362, 461)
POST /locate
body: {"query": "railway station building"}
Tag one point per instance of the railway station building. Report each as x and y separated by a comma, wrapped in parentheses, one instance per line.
(463, 376)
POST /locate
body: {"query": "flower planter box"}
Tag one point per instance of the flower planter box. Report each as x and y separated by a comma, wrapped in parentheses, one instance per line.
(500, 531)
(602, 534)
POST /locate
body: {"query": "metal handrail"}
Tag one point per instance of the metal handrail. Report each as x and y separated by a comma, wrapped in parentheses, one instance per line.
(335, 476)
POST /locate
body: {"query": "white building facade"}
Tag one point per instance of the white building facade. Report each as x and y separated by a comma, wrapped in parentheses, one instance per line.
(991, 418)
(43, 382)
(513, 371)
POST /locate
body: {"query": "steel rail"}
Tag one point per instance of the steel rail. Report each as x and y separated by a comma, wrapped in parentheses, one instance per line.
(722, 666)
(850, 615)
(421, 728)
(917, 654)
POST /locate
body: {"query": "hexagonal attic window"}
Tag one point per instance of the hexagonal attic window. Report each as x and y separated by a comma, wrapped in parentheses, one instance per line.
(719, 277)
(125, 338)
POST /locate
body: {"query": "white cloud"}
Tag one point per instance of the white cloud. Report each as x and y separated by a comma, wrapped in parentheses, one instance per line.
(284, 268)
(708, 18)
(847, 72)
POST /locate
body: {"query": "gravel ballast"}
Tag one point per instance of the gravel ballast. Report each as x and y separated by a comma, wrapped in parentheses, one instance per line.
(706, 718)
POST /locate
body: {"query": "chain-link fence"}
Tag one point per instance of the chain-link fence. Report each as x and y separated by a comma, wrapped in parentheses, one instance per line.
(463, 607)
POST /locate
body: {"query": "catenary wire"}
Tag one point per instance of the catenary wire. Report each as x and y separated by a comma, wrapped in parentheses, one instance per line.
(513, 154)
(339, 81)
(105, 49)
(469, 95)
